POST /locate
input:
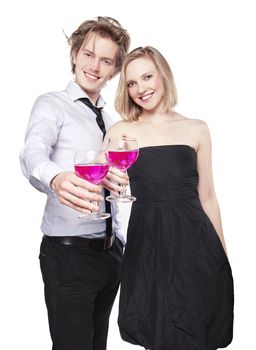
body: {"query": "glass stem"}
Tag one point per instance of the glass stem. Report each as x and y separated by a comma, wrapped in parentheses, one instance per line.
(123, 193)
(94, 203)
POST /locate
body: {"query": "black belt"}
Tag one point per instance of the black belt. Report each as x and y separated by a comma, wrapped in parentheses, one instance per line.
(83, 242)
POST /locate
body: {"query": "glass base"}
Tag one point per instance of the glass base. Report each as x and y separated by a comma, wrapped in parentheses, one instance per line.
(94, 216)
(124, 199)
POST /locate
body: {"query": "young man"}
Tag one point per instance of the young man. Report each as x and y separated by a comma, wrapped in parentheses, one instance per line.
(80, 260)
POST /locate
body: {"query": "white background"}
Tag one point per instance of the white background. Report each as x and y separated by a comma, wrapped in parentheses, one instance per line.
(210, 47)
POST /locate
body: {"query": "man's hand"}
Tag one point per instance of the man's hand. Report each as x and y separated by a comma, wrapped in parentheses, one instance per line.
(75, 192)
(114, 179)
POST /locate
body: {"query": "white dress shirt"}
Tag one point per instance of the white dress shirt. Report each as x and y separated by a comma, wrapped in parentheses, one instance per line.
(60, 125)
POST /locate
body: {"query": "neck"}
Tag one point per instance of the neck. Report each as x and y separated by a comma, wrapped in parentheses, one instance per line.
(93, 95)
(157, 117)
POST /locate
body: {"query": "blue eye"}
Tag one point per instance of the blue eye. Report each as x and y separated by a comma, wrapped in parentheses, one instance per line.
(107, 62)
(130, 84)
(147, 77)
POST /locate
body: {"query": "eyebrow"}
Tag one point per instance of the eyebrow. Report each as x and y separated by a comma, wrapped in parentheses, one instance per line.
(142, 76)
(104, 58)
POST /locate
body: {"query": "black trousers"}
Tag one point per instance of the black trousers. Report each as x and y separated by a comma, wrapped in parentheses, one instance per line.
(80, 288)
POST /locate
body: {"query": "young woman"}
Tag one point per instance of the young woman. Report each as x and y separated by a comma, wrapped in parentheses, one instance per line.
(177, 287)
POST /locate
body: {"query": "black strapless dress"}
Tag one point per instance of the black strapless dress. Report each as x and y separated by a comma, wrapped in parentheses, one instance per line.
(177, 287)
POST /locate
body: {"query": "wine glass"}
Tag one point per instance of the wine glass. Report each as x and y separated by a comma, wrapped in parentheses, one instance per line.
(121, 153)
(91, 165)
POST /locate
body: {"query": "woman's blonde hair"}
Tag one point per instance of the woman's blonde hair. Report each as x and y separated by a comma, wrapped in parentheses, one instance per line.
(124, 105)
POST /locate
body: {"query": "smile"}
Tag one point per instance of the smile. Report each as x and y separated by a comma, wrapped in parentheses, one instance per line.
(91, 77)
(147, 96)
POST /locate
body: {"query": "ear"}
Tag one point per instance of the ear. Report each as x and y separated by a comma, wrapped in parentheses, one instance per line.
(74, 54)
(113, 74)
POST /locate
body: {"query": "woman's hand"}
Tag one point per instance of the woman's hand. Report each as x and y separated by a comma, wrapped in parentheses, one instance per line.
(115, 180)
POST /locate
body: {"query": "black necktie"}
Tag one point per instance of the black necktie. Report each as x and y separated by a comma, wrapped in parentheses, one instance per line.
(101, 124)
(97, 112)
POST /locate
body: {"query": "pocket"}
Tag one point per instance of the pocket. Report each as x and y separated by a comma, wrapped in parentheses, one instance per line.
(62, 263)
(45, 249)
(211, 241)
(55, 263)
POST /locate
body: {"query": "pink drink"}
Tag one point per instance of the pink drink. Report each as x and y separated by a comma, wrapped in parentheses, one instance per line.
(122, 159)
(92, 172)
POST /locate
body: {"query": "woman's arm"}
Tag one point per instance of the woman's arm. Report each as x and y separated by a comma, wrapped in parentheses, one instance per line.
(115, 179)
(206, 185)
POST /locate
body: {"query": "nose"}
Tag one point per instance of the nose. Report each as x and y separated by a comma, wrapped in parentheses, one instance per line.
(140, 87)
(95, 65)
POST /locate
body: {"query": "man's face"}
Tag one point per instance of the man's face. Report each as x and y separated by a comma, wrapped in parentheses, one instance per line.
(95, 64)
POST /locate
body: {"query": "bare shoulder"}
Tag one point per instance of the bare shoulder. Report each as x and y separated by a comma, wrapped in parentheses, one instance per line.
(202, 134)
(118, 129)
(197, 130)
(192, 122)
(197, 126)
(200, 126)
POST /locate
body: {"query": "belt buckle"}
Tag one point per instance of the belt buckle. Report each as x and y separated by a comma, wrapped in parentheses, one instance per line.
(108, 242)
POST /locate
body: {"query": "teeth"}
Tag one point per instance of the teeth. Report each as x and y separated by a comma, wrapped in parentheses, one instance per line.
(91, 76)
(146, 97)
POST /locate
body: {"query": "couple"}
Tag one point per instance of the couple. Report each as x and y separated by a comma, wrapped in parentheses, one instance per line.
(177, 290)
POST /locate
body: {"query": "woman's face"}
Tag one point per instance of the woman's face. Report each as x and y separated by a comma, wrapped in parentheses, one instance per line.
(144, 83)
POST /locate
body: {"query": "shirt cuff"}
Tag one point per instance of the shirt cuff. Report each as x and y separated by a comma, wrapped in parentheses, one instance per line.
(47, 172)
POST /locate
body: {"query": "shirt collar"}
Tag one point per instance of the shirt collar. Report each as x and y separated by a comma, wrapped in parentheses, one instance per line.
(76, 92)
